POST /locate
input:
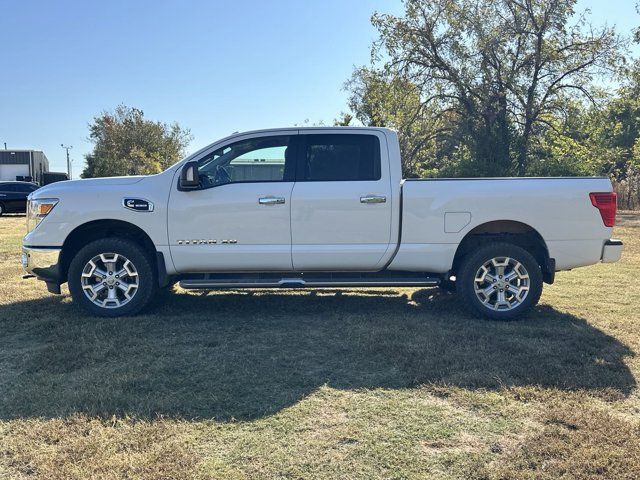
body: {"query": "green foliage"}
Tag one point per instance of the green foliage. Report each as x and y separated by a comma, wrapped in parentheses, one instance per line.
(393, 101)
(344, 120)
(485, 85)
(125, 143)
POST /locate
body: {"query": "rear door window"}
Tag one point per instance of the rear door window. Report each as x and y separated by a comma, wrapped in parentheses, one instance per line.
(26, 188)
(339, 157)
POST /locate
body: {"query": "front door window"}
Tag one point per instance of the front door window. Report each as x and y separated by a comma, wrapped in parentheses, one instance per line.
(255, 160)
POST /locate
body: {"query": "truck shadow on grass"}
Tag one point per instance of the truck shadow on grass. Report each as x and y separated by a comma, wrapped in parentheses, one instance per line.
(243, 356)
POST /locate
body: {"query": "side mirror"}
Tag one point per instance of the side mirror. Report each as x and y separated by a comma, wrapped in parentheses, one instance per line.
(189, 179)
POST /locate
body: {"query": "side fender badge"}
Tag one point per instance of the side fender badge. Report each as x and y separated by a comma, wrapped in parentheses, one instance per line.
(137, 204)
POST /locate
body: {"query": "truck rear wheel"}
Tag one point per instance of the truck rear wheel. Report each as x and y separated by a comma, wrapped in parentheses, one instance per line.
(500, 281)
(111, 277)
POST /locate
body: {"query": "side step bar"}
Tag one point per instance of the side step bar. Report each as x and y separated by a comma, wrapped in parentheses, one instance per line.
(310, 280)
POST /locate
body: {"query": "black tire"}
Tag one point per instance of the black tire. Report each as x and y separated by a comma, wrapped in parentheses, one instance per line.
(167, 291)
(147, 283)
(447, 286)
(473, 263)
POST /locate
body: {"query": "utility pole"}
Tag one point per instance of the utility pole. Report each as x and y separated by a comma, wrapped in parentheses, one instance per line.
(67, 148)
(5, 145)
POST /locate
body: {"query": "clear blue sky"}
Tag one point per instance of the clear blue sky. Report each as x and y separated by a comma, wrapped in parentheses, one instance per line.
(213, 66)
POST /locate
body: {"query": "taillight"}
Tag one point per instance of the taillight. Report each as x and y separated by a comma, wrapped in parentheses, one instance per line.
(607, 203)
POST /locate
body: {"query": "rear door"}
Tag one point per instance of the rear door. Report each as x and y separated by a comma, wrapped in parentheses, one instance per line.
(341, 202)
(9, 197)
(3, 197)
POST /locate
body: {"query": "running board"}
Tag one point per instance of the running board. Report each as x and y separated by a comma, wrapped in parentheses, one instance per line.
(309, 280)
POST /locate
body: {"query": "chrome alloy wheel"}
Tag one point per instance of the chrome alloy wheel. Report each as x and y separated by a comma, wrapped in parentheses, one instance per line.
(110, 280)
(502, 283)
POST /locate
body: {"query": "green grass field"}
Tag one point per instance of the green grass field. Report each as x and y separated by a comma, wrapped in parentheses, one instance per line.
(387, 383)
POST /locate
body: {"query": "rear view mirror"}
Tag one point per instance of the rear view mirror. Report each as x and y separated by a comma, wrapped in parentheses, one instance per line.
(189, 179)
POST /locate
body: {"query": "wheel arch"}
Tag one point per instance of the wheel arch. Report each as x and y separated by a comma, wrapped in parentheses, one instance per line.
(510, 231)
(104, 228)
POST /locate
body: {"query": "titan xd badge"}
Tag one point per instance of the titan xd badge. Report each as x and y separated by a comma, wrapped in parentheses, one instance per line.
(138, 204)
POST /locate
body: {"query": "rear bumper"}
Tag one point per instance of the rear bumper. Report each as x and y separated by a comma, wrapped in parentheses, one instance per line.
(611, 251)
(43, 262)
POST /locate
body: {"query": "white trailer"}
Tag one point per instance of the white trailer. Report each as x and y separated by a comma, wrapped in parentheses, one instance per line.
(25, 165)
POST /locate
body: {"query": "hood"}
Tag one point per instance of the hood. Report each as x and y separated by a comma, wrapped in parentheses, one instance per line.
(85, 184)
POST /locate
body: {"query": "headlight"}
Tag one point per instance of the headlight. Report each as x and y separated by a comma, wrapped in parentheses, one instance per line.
(38, 209)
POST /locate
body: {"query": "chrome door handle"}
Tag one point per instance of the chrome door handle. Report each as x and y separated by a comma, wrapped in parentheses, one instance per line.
(373, 199)
(271, 200)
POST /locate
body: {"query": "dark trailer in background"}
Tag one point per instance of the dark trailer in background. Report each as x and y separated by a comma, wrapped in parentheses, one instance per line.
(53, 177)
(24, 165)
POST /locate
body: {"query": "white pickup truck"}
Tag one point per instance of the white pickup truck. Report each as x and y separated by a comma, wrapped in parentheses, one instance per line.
(313, 208)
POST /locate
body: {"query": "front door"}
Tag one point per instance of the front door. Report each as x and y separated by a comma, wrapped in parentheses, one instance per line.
(341, 203)
(239, 219)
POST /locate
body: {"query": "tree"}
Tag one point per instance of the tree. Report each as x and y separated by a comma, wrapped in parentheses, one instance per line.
(636, 31)
(125, 143)
(394, 102)
(498, 69)
(614, 139)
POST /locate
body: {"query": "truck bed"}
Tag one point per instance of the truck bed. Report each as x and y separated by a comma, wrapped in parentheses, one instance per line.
(445, 210)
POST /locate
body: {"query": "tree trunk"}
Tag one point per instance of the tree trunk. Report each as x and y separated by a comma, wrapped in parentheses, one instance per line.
(523, 150)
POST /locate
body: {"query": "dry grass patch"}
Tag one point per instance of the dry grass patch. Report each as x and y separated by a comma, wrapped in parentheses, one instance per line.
(386, 383)
(82, 447)
(577, 441)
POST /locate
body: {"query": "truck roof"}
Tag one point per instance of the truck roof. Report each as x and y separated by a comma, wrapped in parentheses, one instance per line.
(278, 129)
(281, 129)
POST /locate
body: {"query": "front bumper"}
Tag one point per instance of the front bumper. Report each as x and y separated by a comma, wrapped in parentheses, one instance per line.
(43, 262)
(612, 251)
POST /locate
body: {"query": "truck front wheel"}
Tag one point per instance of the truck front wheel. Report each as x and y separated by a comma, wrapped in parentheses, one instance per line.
(500, 281)
(111, 277)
